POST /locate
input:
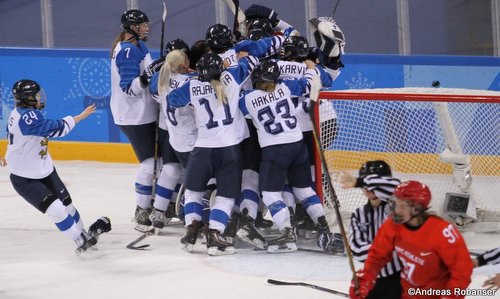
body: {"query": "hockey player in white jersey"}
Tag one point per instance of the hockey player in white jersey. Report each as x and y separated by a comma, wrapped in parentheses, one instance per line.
(170, 173)
(291, 63)
(221, 128)
(221, 41)
(284, 154)
(132, 106)
(33, 175)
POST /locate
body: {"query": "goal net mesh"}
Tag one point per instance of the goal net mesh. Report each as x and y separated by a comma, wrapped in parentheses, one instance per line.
(410, 128)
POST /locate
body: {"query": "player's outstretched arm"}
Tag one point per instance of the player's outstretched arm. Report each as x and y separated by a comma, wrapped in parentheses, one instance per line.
(86, 112)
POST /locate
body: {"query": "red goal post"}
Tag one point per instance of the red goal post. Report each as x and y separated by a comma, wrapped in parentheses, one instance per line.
(447, 138)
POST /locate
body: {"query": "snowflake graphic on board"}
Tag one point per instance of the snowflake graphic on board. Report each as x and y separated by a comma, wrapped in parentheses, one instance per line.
(91, 77)
(359, 82)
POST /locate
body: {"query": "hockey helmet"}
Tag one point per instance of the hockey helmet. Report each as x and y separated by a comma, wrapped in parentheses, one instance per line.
(294, 47)
(219, 38)
(415, 192)
(177, 44)
(261, 24)
(28, 92)
(266, 71)
(209, 67)
(378, 167)
(134, 17)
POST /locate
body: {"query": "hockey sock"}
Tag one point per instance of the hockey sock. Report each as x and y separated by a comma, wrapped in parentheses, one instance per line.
(165, 186)
(64, 222)
(220, 213)
(278, 209)
(249, 194)
(193, 206)
(76, 216)
(143, 183)
(311, 202)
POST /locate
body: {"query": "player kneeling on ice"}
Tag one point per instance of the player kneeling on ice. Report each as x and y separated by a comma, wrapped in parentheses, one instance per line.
(284, 153)
(32, 171)
(432, 252)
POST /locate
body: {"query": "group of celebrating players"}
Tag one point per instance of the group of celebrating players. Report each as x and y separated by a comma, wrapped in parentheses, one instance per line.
(229, 119)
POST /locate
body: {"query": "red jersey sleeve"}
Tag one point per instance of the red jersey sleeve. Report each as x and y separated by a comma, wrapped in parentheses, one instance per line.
(380, 252)
(455, 255)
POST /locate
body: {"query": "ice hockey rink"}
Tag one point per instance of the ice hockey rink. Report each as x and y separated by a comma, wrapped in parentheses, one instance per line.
(37, 261)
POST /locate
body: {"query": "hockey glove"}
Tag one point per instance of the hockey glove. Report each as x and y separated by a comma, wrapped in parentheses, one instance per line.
(366, 284)
(334, 63)
(150, 70)
(330, 243)
(256, 11)
(316, 55)
(102, 225)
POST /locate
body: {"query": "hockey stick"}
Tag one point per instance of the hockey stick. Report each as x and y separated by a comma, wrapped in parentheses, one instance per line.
(236, 12)
(304, 284)
(314, 95)
(131, 245)
(239, 15)
(157, 128)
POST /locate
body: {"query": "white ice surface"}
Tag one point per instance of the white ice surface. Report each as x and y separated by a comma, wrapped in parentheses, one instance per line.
(37, 261)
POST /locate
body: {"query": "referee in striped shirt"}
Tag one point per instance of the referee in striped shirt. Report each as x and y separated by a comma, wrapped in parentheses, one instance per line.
(490, 257)
(375, 178)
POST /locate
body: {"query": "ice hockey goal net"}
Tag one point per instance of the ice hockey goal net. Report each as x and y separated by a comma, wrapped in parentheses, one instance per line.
(448, 139)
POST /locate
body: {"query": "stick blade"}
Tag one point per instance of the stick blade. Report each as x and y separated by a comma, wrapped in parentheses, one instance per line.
(164, 16)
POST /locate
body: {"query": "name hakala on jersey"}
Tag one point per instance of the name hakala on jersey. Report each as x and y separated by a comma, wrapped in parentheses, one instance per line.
(267, 98)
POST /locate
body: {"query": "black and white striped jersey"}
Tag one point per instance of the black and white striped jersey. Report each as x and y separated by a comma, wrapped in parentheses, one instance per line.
(490, 257)
(366, 221)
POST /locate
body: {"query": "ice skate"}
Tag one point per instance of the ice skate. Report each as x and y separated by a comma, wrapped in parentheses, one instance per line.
(232, 227)
(284, 243)
(157, 218)
(218, 245)
(249, 234)
(142, 222)
(84, 242)
(261, 222)
(189, 238)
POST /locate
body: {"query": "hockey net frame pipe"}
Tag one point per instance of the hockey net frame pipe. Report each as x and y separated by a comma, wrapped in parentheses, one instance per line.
(447, 138)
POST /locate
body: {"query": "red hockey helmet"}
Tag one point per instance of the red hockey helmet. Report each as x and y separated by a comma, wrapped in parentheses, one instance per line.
(414, 191)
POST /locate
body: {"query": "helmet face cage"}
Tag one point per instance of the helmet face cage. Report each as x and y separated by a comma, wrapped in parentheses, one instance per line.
(209, 67)
(137, 18)
(294, 48)
(377, 167)
(266, 71)
(177, 44)
(219, 37)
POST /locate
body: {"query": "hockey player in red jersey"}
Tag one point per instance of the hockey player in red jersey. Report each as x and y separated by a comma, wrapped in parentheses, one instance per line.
(435, 259)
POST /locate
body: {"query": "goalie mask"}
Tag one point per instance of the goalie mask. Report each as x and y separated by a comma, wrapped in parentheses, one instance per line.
(219, 38)
(28, 93)
(328, 35)
(135, 17)
(294, 48)
(209, 67)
